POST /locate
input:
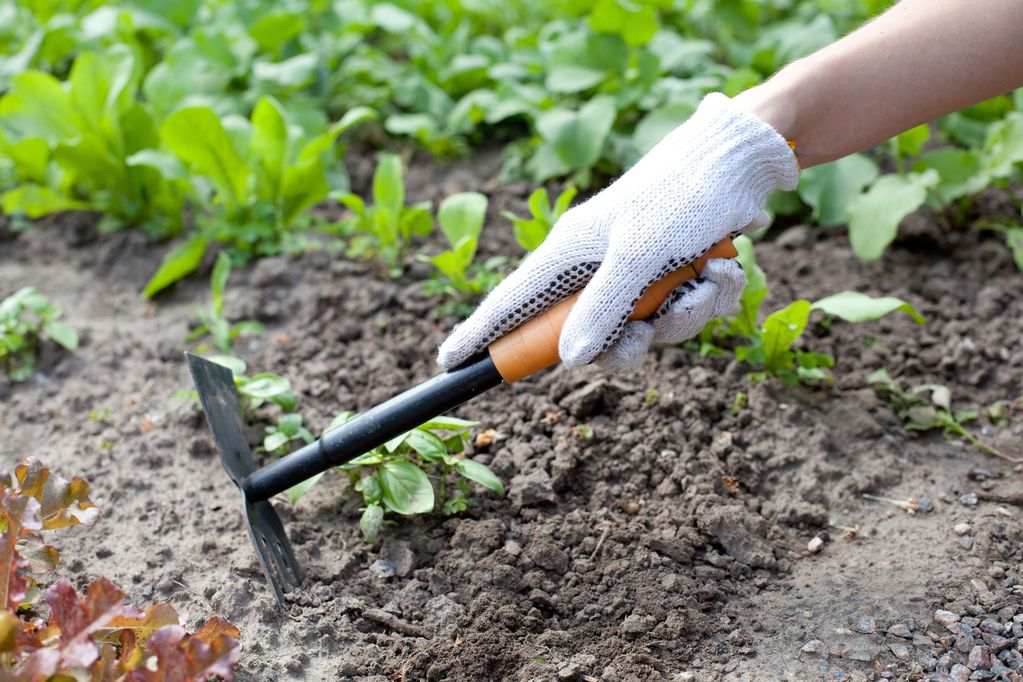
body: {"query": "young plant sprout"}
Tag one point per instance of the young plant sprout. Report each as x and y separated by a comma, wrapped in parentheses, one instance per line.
(27, 316)
(212, 320)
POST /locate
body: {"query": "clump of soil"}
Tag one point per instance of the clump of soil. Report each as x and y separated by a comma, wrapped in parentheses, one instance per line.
(667, 540)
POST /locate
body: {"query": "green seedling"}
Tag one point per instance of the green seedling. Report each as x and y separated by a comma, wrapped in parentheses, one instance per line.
(384, 230)
(771, 347)
(530, 232)
(289, 427)
(212, 321)
(929, 406)
(26, 316)
(457, 278)
(253, 391)
(396, 477)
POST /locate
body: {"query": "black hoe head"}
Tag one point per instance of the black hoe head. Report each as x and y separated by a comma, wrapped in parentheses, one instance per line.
(215, 384)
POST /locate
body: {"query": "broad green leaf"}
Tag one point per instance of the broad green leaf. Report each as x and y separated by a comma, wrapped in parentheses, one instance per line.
(406, 489)
(1003, 148)
(852, 306)
(577, 137)
(396, 442)
(177, 264)
(36, 201)
(295, 493)
(572, 78)
(1014, 239)
(911, 142)
(480, 473)
(635, 22)
(294, 72)
(874, 216)
(389, 183)
(830, 187)
(658, 123)
(275, 440)
(461, 216)
(426, 444)
(455, 262)
(236, 365)
(30, 157)
(371, 521)
(269, 146)
(61, 333)
(197, 136)
(37, 105)
(273, 30)
(266, 385)
(169, 165)
(959, 170)
(452, 423)
(780, 330)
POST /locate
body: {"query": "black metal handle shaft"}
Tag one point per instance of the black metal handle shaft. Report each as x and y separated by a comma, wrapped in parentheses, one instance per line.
(377, 425)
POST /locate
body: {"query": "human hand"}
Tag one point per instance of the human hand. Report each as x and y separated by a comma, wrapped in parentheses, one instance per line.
(706, 180)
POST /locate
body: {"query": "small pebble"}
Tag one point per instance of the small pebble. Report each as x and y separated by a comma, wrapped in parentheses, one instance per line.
(961, 528)
(815, 545)
(900, 630)
(960, 673)
(966, 542)
(814, 646)
(569, 672)
(969, 499)
(924, 504)
(382, 568)
(862, 655)
(979, 474)
(946, 618)
(979, 658)
(866, 624)
(901, 651)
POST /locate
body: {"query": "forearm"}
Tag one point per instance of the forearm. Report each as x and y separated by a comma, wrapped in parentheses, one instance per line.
(920, 60)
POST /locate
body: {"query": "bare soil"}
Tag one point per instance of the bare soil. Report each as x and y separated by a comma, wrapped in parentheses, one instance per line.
(671, 545)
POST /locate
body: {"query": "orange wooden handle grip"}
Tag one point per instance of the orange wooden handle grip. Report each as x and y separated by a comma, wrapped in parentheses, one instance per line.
(534, 345)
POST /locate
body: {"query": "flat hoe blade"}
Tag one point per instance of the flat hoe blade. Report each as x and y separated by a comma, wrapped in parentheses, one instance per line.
(215, 384)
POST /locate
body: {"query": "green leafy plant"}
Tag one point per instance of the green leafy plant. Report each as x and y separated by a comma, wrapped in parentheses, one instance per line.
(530, 232)
(929, 406)
(95, 636)
(85, 144)
(770, 347)
(396, 477)
(25, 317)
(384, 230)
(253, 391)
(289, 427)
(461, 217)
(251, 178)
(212, 320)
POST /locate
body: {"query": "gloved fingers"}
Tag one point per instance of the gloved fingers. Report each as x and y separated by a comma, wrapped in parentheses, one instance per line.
(730, 279)
(761, 219)
(557, 269)
(693, 304)
(629, 350)
(601, 313)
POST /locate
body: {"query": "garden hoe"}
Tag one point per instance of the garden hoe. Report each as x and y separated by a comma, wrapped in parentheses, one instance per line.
(528, 349)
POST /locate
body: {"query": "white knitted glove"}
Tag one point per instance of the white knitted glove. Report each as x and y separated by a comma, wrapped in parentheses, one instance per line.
(706, 180)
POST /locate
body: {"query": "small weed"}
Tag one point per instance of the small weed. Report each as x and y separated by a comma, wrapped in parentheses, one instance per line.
(289, 427)
(254, 391)
(530, 232)
(399, 476)
(384, 230)
(212, 321)
(457, 278)
(651, 397)
(25, 317)
(929, 406)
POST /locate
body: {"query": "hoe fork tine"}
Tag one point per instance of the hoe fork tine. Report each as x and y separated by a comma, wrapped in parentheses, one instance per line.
(219, 399)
